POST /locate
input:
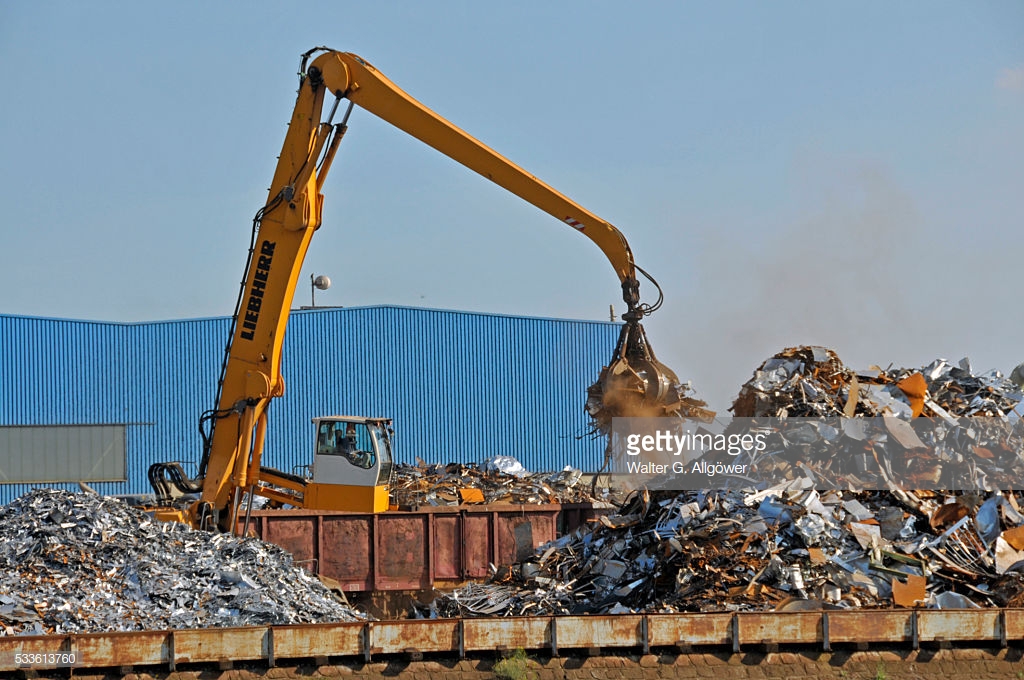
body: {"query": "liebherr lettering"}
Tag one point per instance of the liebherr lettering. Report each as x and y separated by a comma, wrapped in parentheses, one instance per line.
(259, 285)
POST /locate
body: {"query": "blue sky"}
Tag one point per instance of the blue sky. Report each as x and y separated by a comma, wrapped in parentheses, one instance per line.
(846, 174)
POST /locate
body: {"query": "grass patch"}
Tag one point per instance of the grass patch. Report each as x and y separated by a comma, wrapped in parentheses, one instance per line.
(516, 666)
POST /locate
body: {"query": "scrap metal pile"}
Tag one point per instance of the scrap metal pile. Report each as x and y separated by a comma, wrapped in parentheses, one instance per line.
(84, 563)
(813, 382)
(937, 427)
(770, 550)
(501, 479)
(798, 544)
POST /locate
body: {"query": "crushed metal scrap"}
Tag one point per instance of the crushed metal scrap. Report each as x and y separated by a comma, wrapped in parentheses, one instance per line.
(813, 382)
(943, 425)
(938, 427)
(83, 563)
(791, 546)
(500, 479)
(779, 549)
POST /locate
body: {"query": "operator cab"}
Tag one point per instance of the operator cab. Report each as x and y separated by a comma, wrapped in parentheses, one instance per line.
(351, 464)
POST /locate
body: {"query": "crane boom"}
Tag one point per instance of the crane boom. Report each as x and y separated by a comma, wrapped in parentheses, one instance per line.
(351, 77)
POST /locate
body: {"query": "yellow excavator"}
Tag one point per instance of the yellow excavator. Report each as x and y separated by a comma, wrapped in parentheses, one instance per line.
(633, 383)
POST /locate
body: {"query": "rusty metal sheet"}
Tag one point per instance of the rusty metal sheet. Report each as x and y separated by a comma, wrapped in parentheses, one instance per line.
(542, 527)
(300, 642)
(447, 548)
(346, 551)
(912, 593)
(297, 535)
(1014, 624)
(219, 644)
(405, 550)
(599, 631)
(870, 626)
(478, 546)
(255, 526)
(780, 627)
(505, 530)
(108, 650)
(393, 637)
(693, 629)
(35, 644)
(545, 526)
(402, 559)
(571, 516)
(942, 625)
(507, 633)
(98, 650)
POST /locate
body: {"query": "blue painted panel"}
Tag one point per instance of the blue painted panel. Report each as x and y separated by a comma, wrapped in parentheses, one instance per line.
(460, 386)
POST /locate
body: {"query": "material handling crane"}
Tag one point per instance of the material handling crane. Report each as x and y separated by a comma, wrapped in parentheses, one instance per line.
(633, 383)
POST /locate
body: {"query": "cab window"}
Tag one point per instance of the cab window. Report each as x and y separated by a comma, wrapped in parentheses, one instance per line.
(352, 441)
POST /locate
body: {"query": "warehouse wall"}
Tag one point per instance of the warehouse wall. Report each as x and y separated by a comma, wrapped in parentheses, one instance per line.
(460, 386)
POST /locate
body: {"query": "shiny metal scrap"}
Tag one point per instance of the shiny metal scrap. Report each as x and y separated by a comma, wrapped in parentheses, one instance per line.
(83, 563)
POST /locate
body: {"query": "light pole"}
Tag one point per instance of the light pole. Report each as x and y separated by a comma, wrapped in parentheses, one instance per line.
(315, 282)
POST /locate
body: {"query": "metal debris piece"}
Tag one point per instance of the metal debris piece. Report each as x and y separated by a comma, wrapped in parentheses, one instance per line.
(950, 600)
(1007, 557)
(910, 594)
(76, 562)
(1015, 536)
(505, 464)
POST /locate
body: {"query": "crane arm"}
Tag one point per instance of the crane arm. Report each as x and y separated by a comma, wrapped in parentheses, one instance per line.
(349, 76)
(283, 229)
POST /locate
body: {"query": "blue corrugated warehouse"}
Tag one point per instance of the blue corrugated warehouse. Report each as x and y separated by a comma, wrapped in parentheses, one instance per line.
(460, 387)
